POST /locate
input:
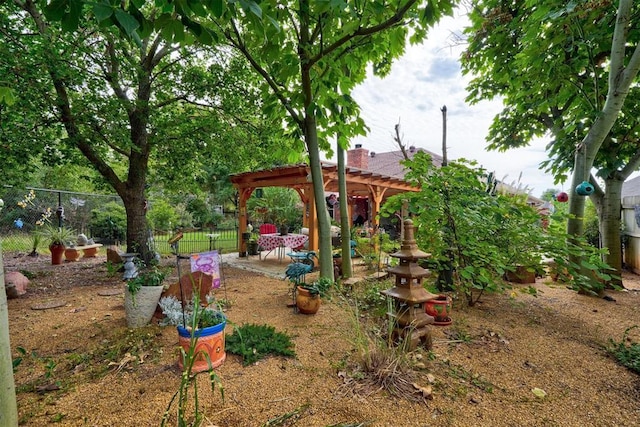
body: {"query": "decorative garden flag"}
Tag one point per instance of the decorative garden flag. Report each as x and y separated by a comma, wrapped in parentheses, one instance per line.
(207, 263)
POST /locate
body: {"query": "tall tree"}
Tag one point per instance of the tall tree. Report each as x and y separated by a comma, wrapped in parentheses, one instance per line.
(122, 104)
(571, 78)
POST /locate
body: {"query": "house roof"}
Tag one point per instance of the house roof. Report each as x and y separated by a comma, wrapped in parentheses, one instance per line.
(389, 163)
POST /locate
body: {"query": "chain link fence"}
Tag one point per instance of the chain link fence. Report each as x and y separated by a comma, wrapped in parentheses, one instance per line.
(101, 217)
(26, 210)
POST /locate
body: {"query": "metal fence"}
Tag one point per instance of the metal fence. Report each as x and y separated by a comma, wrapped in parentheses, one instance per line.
(195, 240)
(28, 209)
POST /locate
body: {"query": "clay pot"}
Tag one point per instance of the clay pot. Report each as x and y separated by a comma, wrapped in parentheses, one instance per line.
(71, 254)
(307, 303)
(440, 309)
(57, 252)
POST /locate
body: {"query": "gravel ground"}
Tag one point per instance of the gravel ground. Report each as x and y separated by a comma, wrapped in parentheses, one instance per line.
(487, 368)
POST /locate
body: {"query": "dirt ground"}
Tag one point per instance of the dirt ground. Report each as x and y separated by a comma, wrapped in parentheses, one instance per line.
(82, 366)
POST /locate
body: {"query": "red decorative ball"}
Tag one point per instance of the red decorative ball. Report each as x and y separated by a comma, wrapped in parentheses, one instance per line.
(562, 197)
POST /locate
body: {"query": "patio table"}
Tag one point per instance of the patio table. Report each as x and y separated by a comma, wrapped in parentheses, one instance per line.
(269, 242)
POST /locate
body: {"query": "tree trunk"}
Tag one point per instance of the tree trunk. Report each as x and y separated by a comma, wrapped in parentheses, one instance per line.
(8, 406)
(610, 226)
(137, 227)
(575, 225)
(324, 225)
(345, 219)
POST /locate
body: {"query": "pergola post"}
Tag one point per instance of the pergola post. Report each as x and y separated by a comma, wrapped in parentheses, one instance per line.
(244, 195)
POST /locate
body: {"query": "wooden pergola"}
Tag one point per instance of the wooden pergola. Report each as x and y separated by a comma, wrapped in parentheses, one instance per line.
(360, 183)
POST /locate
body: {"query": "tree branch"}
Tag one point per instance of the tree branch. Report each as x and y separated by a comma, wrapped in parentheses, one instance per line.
(393, 20)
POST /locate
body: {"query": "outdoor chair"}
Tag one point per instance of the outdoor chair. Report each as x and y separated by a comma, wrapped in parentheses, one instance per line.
(268, 228)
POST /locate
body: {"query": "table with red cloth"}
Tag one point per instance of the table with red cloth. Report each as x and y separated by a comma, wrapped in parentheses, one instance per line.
(269, 242)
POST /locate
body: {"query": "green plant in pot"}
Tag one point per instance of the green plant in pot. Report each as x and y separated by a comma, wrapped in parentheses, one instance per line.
(57, 238)
(141, 296)
(308, 295)
(252, 244)
(204, 323)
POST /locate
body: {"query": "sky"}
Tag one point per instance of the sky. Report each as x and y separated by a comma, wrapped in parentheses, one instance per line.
(426, 78)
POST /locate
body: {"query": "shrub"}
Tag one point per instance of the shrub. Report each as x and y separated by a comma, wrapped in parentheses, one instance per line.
(254, 342)
(162, 215)
(109, 222)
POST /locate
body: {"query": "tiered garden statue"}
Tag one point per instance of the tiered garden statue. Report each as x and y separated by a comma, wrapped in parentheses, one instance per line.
(410, 322)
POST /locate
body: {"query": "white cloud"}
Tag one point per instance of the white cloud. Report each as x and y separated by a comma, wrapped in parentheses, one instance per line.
(427, 77)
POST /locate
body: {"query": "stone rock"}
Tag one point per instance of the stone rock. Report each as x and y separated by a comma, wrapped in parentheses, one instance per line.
(15, 284)
(113, 255)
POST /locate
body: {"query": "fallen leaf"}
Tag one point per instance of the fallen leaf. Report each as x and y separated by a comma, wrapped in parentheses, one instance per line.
(539, 393)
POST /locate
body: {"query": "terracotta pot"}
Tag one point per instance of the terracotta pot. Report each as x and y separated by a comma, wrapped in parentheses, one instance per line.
(440, 309)
(307, 303)
(71, 254)
(57, 252)
(209, 346)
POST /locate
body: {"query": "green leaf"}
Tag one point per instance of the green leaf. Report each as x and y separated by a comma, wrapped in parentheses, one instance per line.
(255, 9)
(539, 393)
(55, 10)
(102, 11)
(216, 7)
(71, 20)
(7, 96)
(126, 21)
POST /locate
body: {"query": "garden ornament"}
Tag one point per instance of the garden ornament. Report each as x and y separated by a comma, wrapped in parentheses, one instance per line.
(562, 197)
(584, 188)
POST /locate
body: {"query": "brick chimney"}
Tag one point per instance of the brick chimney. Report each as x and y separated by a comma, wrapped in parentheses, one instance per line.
(358, 158)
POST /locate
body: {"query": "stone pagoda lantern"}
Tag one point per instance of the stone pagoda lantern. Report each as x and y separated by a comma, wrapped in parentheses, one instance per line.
(409, 317)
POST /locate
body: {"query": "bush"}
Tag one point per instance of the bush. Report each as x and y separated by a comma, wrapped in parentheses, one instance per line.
(109, 222)
(162, 216)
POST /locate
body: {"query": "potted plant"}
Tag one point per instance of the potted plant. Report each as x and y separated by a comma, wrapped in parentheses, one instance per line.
(440, 309)
(200, 332)
(308, 296)
(57, 238)
(141, 296)
(252, 244)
